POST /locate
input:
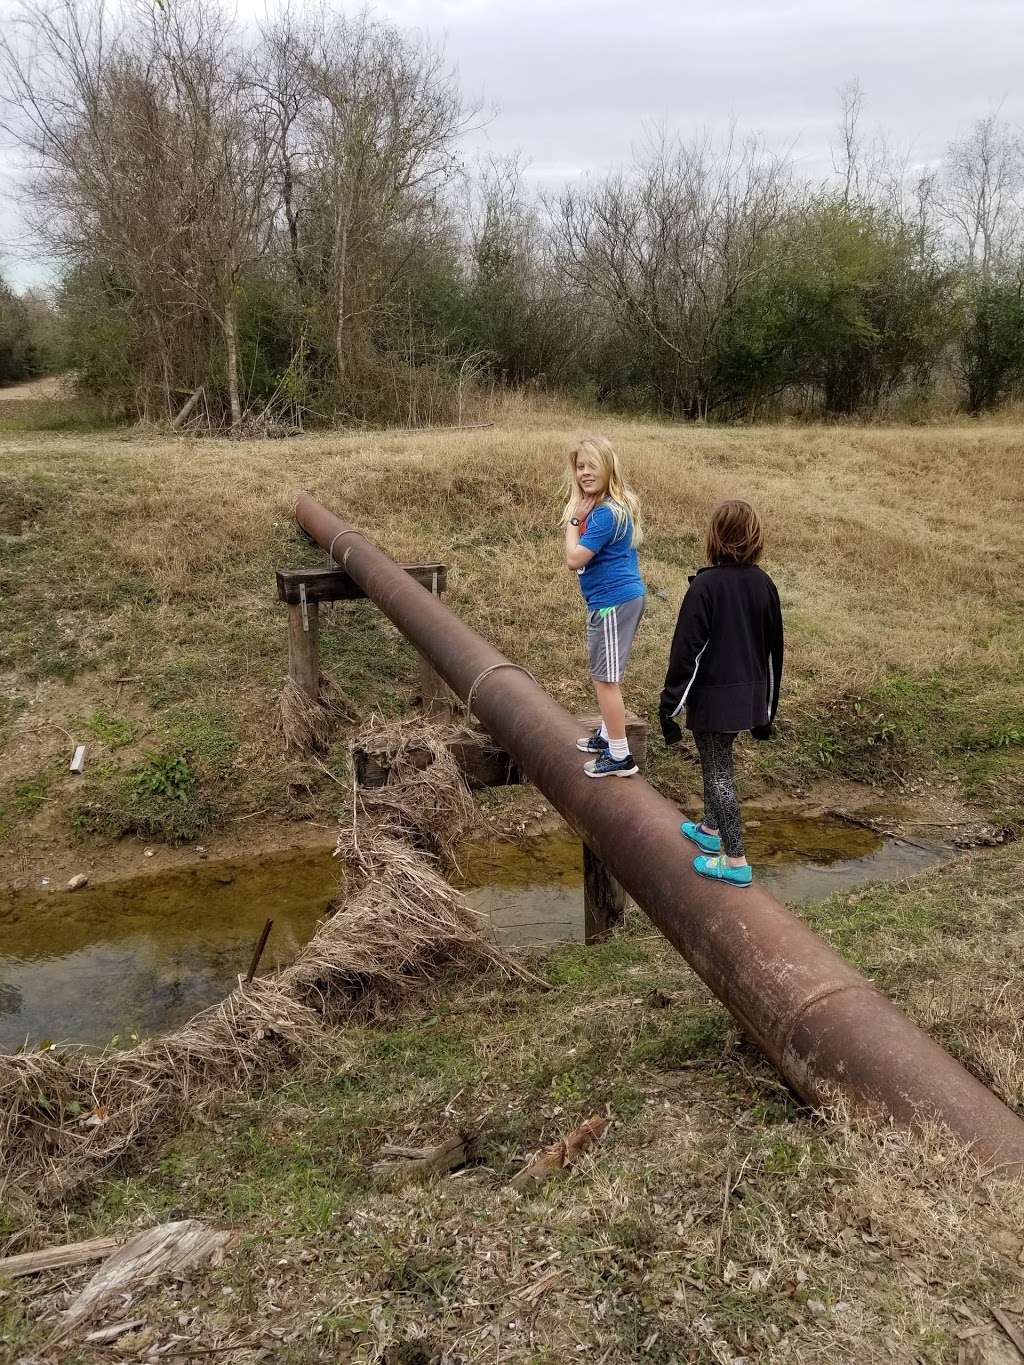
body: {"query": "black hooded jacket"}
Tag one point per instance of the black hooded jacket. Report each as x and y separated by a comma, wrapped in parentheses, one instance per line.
(725, 665)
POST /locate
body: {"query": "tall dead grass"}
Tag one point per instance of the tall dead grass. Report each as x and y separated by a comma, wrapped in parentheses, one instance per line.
(897, 551)
(893, 549)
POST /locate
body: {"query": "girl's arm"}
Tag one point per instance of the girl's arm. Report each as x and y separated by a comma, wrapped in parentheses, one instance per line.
(693, 630)
(775, 653)
(577, 556)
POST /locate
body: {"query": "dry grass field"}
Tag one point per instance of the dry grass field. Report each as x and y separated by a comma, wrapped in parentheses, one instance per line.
(139, 614)
(718, 1221)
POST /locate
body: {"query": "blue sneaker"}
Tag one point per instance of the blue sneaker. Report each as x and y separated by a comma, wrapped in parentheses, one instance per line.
(718, 870)
(606, 766)
(593, 744)
(710, 843)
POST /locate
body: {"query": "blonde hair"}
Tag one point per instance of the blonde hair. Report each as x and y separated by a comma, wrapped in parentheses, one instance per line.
(618, 497)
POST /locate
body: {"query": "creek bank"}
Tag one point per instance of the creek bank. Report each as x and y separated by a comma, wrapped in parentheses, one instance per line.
(137, 955)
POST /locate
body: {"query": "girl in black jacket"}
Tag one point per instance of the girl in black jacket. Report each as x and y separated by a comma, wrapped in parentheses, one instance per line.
(724, 670)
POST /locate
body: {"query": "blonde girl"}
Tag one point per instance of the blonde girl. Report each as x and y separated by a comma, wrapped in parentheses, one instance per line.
(602, 532)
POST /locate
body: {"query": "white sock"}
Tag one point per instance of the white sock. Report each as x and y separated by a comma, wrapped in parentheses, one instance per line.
(604, 731)
(618, 748)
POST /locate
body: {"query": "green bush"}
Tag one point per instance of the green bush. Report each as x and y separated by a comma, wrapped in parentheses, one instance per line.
(158, 798)
(993, 344)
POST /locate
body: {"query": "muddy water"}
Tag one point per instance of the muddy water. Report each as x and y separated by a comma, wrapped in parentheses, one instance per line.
(143, 954)
(147, 952)
(531, 892)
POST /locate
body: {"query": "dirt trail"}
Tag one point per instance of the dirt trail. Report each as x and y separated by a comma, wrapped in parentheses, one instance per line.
(51, 388)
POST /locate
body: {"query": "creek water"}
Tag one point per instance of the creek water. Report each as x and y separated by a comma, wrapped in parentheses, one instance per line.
(142, 954)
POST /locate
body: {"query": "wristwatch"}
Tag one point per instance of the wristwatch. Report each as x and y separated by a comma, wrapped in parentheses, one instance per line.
(574, 521)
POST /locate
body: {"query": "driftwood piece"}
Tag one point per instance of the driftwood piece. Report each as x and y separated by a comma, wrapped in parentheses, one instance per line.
(186, 411)
(562, 1154)
(419, 1163)
(103, 1335)
(58, 1258)
(1013, 1332)
(163, 1251)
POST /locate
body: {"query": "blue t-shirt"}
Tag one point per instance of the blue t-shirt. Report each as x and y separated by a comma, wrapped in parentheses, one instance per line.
(613, 575)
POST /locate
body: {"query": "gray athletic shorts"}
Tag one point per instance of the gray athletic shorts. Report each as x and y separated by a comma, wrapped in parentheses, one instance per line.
(610, 634)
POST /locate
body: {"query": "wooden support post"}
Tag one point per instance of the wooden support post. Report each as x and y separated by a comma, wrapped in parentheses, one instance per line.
(307, 587)
(604, 901)
(304, 648)
(433, 692)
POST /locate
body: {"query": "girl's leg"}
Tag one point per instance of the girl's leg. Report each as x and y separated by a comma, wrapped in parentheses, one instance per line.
(712, 821)
(720, 785)
(613, 709)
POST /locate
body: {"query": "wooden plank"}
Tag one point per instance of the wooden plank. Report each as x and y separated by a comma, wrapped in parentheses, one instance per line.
(604, 901)
(334, 585)
(57, 1258)
(480, 761)
(1016, 1336)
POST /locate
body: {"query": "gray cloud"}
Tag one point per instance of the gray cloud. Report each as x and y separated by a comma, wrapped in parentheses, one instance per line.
(576, 82)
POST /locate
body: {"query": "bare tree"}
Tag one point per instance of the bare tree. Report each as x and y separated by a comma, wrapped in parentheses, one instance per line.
(670, 250)
(366, 121)
(153, 164)
(847, 158)
(981, 191)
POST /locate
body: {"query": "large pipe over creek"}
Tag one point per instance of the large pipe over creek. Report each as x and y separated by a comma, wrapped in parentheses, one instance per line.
(821, 1023)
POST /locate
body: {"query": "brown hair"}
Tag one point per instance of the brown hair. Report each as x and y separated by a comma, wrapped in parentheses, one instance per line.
(735, 535)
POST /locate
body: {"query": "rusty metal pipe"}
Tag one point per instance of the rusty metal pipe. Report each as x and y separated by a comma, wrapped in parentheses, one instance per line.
(825, 1027)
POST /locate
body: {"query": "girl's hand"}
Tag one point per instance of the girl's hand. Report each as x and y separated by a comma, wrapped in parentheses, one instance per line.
(586, 504)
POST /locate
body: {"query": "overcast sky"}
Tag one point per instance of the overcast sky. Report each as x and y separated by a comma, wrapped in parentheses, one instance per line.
(574, 83)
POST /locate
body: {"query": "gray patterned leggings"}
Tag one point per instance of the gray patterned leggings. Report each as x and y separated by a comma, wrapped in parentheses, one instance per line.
(721, 804)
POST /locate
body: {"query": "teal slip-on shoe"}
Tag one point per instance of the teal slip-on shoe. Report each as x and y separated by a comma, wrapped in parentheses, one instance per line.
(710, 843)
(718, 870)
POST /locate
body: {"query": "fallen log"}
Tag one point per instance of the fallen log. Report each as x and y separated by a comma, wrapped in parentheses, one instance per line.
(418, 1163)
(561, 1155)
(57, 1258)
(159, 1252)
(186, 412)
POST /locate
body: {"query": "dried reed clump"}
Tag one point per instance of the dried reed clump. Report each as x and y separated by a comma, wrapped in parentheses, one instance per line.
(398, 932)
(425, 799)
(309, 726)
(68, 1115)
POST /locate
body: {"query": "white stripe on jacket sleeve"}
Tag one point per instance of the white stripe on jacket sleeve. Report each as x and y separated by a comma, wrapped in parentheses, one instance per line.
(693, 677)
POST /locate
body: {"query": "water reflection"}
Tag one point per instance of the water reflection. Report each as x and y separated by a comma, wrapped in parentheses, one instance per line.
(145, 954)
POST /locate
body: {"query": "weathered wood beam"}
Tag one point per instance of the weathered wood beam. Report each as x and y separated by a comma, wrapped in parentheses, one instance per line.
(480, 761)
(334, 585)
